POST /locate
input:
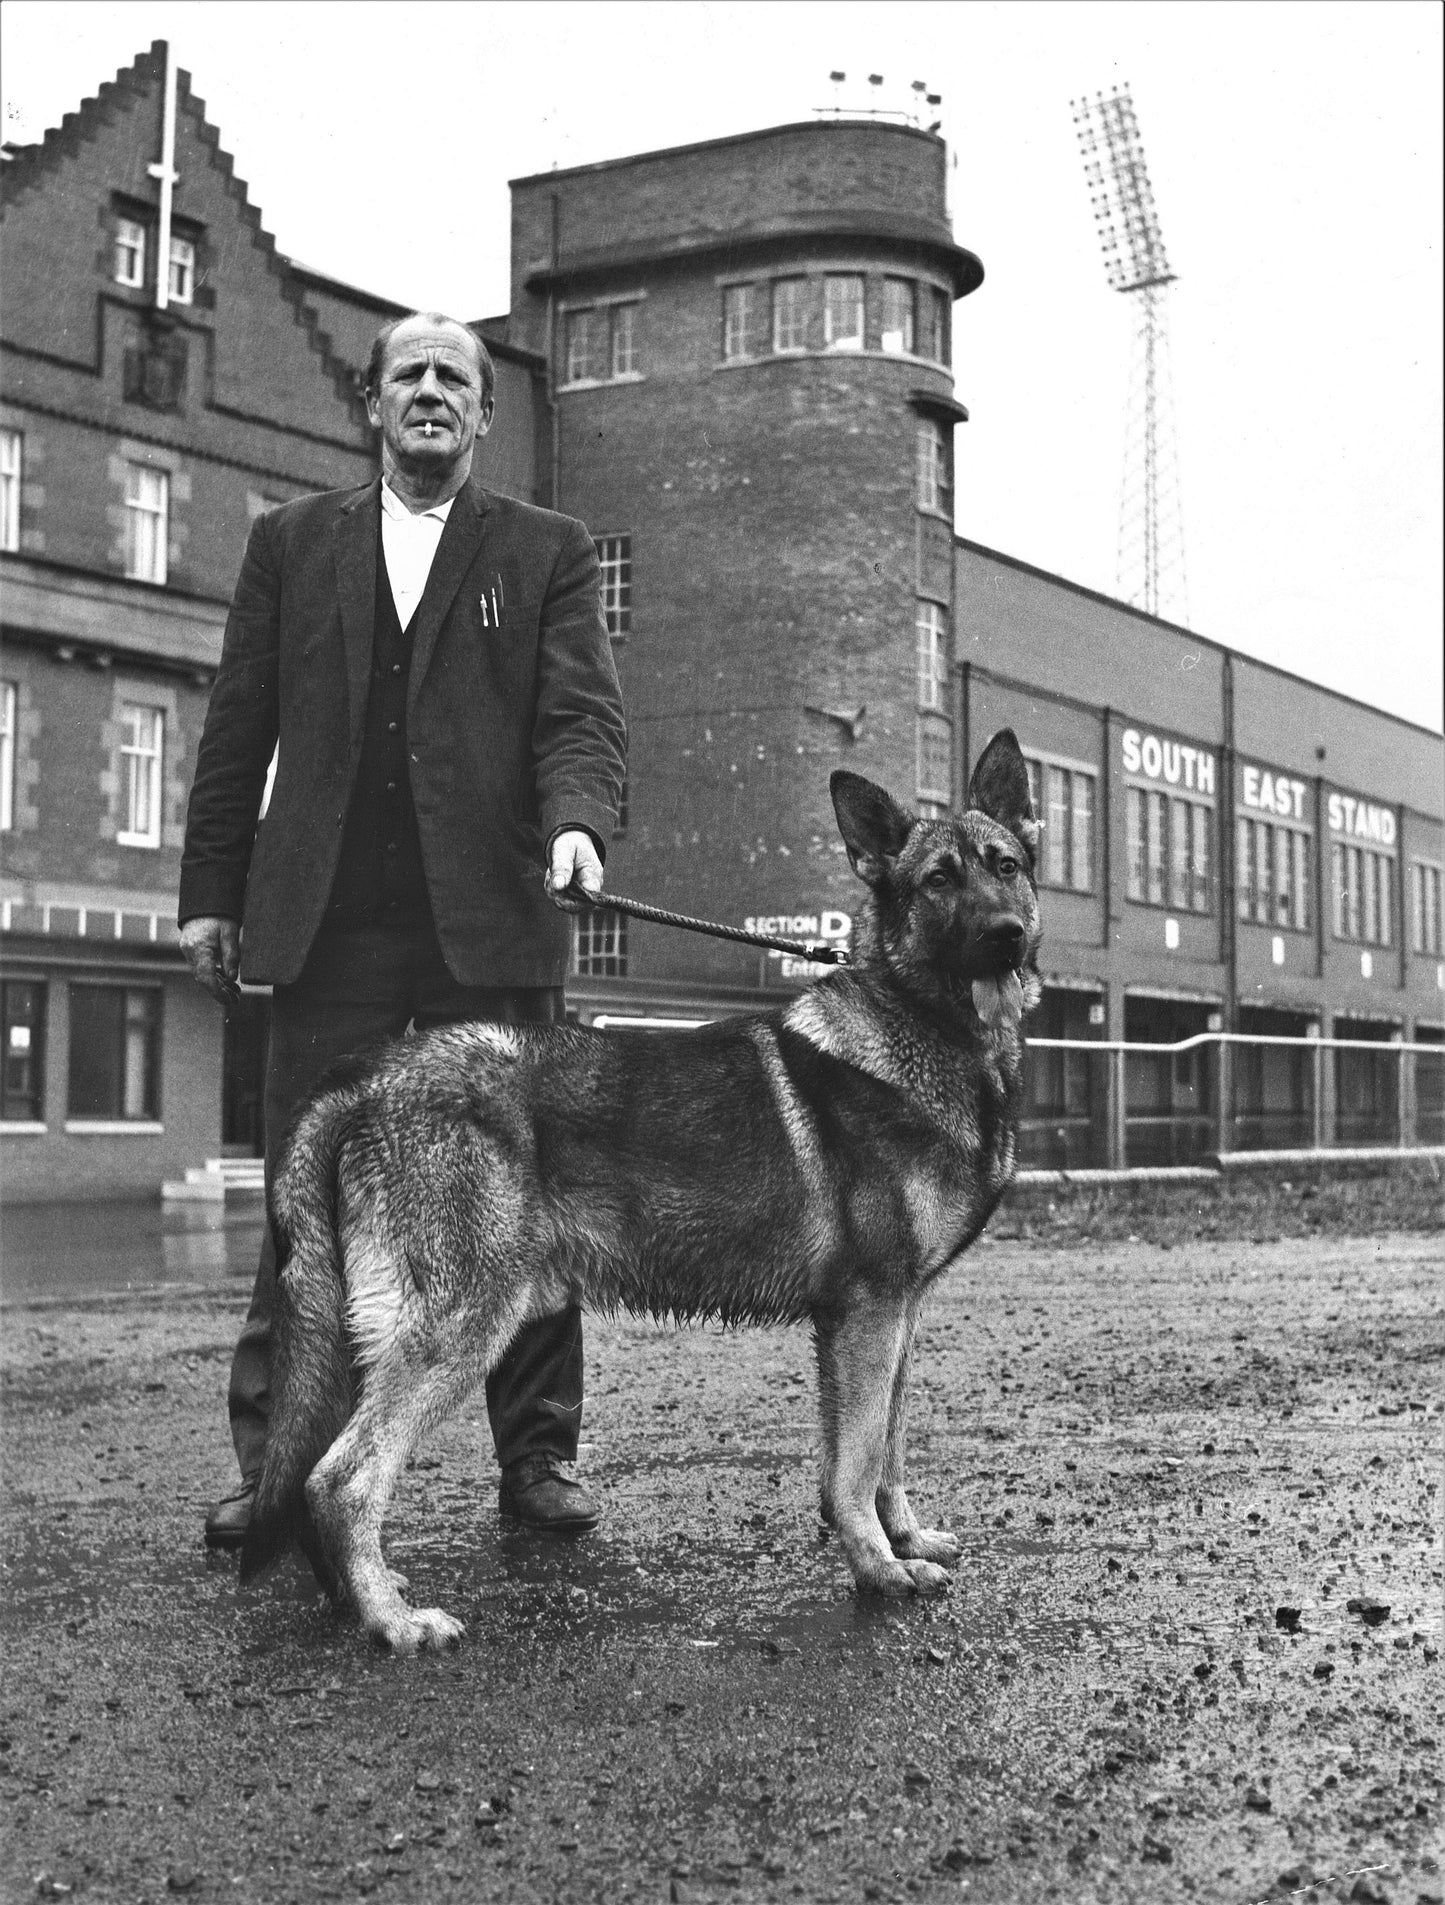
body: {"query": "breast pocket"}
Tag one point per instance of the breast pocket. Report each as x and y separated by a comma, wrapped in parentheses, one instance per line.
(509, 647)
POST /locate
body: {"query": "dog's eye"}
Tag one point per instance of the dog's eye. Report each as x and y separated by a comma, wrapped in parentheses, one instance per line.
(1007, 866)
(938, 877)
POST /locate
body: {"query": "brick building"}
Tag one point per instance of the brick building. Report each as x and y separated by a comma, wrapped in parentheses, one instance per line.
(151, 406)
(734, 361)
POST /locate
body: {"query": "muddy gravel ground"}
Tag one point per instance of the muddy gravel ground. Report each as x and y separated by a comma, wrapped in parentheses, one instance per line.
(1192, 1650)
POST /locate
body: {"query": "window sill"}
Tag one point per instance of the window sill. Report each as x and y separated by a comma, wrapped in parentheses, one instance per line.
(603, 383)
(21, 1128)
(937, 513)
(112, 1128)
(830, 350)
(1167, 906)
(137, 840)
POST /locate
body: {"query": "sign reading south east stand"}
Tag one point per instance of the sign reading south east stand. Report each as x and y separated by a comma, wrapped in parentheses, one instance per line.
(1359, 819)
(1269, 792)
(1153, 757)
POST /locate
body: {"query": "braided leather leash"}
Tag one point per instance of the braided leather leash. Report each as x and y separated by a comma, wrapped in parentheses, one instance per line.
(818, 950)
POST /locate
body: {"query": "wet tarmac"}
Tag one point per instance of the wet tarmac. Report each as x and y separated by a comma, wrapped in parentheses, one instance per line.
(1152, 1454)
(58, 1253)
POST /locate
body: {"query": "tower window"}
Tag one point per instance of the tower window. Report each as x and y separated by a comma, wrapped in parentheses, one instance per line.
(843, 313)
(790, 316)
(739, 322)
(939, 311)
(935, 761)
(934, 468)
(932, 627)
(898, 316)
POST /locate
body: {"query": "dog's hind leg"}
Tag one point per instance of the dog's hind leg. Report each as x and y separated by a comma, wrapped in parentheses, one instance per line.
(858, 1358)
(910, 1541)
(420, 1378)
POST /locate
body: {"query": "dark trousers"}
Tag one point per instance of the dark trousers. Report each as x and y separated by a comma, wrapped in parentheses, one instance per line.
(361, 984)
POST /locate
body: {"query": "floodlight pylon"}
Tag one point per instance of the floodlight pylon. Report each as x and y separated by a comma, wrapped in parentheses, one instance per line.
(1150, 568)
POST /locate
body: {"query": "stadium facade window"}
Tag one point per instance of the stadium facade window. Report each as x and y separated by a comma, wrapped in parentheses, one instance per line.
(1169, 841)
(1064, 798)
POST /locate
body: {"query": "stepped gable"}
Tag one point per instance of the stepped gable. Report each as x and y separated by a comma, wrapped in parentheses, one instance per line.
(110, 141)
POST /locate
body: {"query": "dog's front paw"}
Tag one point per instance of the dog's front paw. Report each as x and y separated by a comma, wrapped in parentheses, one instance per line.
(926, 1578)
(413, 1628)
(928, 1544)
(885, 1576)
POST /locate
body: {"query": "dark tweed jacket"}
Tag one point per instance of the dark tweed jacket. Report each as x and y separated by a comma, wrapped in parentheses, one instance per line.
(513, 719)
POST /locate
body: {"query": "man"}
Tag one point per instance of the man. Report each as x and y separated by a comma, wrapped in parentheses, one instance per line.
(430, 662)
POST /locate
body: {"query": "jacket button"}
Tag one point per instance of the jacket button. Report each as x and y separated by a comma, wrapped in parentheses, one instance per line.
(391, 846)
(391, 727)
(396, 667)
(391, 787)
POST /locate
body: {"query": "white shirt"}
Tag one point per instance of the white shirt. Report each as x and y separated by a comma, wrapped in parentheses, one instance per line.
(409, 544)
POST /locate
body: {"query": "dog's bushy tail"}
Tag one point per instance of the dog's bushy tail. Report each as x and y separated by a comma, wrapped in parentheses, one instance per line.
(311, 1367)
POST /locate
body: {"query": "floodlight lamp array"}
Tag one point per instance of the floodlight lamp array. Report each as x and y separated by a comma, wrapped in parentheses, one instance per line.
(1120, 194)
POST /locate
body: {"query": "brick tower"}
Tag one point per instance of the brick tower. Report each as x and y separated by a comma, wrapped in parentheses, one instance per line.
(751, 406)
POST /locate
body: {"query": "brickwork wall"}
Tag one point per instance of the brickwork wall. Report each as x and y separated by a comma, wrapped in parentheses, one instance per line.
(725, 185)
(53, 1165)
(262, 411)
(774, 562)
(70, 774)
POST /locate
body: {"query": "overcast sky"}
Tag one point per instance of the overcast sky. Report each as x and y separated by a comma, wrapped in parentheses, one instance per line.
(1295, 152)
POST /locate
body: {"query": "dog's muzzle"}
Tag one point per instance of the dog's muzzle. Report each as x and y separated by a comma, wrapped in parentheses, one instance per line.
(998, 996)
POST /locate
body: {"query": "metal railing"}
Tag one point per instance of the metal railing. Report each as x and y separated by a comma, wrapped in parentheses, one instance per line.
(1111, 1103)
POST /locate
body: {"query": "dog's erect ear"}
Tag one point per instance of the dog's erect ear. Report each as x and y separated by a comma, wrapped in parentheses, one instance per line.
(873, 825)
(1000, 789)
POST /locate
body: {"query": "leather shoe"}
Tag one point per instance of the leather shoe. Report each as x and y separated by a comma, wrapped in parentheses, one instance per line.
(228, 1519)
(535, 1490)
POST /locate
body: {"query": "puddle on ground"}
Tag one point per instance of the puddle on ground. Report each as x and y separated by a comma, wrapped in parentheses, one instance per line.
(57, 1253)
(76, 1568)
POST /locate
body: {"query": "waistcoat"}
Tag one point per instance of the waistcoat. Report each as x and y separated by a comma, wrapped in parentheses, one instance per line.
(379, 879)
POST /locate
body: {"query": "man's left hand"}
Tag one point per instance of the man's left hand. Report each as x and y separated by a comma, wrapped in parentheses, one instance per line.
(573, 857)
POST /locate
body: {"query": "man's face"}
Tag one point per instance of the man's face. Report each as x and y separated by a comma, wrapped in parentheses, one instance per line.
(428, 405)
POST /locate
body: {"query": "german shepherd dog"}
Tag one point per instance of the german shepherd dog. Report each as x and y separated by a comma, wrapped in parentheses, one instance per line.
(821, 1163)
